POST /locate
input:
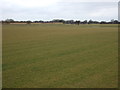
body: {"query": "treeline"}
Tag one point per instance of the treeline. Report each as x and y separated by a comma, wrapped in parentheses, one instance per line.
(8, 21)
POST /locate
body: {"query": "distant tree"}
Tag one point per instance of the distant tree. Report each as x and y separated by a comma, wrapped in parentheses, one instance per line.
(9, 21)
(95, 22)
(41, 21)
(103, 22)
(58, 20)
(28, 22)
(84, 22)
(35, 21)
(90, 22)
(68, 22)
(77, 22)
(116, 22)
(112, 21)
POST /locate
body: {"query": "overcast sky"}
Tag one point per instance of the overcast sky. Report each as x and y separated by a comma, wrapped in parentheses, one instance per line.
(59, 9)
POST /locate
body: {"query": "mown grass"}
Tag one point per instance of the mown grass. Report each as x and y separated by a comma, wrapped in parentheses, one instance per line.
(60, 56)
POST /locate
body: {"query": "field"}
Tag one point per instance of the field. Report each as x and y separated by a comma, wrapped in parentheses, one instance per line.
(60, 56)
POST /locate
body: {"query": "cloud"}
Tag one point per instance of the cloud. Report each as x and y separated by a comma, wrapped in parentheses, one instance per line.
(104, 12)
(90, 1)
(29, 3)
(53, 9)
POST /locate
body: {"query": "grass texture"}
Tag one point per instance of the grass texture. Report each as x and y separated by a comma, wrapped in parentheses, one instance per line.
(60, 56)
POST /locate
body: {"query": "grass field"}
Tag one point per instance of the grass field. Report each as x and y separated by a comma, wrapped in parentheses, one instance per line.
(60, 56)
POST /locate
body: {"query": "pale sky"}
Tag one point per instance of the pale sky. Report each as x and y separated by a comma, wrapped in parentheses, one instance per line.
(101, 10)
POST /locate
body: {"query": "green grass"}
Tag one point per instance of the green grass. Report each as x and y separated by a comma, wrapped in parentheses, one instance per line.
(60, 56)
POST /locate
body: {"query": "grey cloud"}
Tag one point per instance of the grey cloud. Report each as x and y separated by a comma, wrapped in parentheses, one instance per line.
(62, 10)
